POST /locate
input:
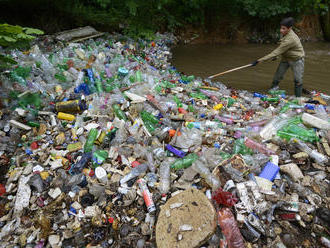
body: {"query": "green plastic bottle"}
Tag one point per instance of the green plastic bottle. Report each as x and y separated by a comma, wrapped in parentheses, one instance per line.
(148, 117)
(99, 87)
(185, 162)
(99, 157)
(17, 78)
(288, 105)
(198, 95)
(177, 101)
(295, 131)
(60, 77)
(270, 99)
(276, 92)
(191, 108)
(138, 76)
(92, 135)
(241, 148)
(118, 112)
(30, 99)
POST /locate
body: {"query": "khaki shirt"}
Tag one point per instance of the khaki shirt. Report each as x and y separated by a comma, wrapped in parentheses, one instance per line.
(290, 48)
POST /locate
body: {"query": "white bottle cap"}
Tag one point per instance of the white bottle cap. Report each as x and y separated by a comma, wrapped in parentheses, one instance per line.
(101, 175)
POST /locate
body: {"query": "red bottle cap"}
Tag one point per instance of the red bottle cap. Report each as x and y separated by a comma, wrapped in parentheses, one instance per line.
(34, 145)
(134, 164)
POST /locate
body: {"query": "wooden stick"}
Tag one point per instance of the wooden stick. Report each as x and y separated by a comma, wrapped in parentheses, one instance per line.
(235, 69)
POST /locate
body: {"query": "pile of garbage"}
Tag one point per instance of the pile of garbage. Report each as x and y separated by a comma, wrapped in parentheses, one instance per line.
(108, 145)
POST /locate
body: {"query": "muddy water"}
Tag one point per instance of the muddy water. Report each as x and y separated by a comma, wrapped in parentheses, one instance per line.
(206, 60)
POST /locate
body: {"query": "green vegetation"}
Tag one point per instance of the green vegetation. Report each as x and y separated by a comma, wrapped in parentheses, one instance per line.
(14, 37)
(142, 18)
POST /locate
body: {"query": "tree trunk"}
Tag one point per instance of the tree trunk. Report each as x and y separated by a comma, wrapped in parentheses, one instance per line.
(325, 25)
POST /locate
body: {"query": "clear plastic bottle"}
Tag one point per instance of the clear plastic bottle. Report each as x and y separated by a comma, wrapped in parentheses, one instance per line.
(321, 112)
(205, 173)
(150, 160)
(319, 157)
(257, 146)
(135, 172)
(272, 127)
(315, 121)
(165, 177)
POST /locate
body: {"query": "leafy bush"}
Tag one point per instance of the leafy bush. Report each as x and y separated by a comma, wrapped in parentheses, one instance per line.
(14, 35)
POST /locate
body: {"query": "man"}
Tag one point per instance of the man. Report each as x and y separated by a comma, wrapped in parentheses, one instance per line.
(292, 53)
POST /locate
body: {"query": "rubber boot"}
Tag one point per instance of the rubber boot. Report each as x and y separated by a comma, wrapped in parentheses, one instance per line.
(274, 85)
(298, 89)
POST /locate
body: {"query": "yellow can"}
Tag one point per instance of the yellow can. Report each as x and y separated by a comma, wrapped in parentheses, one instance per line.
(218, 106)
(100, 139)
(64, 116)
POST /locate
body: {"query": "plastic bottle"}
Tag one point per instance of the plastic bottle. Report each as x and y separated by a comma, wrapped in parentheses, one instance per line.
(159, 153)
(256, 94)
(257, 146)
(118, 112)
(92, 135)
(277, 92)
(273, 126)
(175, 151)
(135, 172)
(177, 101)
(205, 173)
(295, 131)
(99, 157)
(203, 125)
(230, 229)
(147, 117)
(321, 112)
(147, 196)
(185, 162)
(319, 157)
(150, 160)
(315, 121)
(64, 116)
(164, 177)
(241, 148)
(74, 106)
(224, 119)
(270, 99)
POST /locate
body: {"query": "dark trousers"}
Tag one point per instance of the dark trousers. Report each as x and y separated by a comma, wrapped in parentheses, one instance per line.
(298, 72)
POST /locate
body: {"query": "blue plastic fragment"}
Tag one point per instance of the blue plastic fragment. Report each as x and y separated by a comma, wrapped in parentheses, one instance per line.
(269, 171)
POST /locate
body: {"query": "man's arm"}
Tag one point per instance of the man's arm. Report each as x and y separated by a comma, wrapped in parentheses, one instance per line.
(282, 48)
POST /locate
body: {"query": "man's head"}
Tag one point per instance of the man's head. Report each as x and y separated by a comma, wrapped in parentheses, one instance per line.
(286, 25)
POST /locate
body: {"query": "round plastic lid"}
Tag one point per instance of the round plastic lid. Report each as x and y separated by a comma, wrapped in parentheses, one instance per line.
(100, 172)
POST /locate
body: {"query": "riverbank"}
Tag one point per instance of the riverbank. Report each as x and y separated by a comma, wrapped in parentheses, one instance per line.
(249, 31)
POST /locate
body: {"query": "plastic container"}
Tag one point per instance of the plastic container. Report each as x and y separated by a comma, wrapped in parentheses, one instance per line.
(230, 229)
(64, 116)
(315, 121)
(92, 135)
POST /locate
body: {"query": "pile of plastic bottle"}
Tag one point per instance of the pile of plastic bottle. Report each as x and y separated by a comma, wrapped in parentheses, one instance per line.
(97, 136)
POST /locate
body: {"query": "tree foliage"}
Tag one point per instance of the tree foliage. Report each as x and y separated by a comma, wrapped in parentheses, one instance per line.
(11, 35)
(144, 17)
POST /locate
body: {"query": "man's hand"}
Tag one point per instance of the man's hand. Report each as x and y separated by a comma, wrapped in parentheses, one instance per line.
(254, 63)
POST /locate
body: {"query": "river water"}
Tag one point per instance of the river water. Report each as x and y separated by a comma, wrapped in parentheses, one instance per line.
(206, 60)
